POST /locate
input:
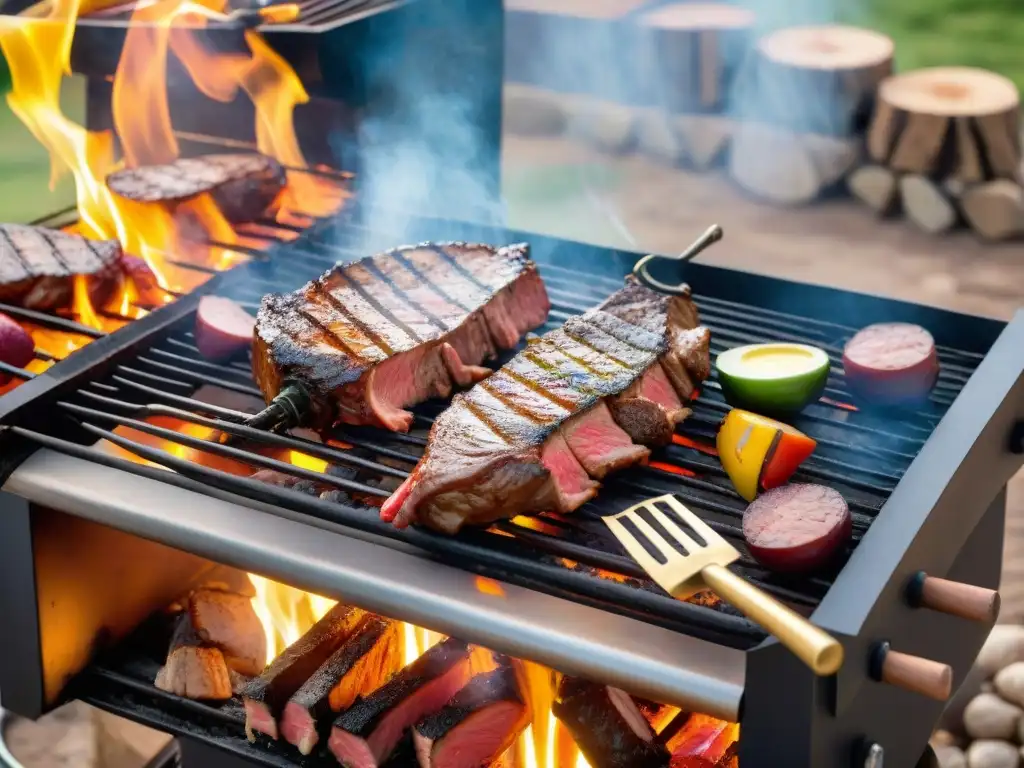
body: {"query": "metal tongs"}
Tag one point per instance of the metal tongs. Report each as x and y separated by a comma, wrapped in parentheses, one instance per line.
(711, 236)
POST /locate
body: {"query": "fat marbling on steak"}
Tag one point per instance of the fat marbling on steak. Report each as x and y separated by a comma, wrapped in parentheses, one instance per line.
(371, 338)
(242, 185)
(38, 266)
(579, 402)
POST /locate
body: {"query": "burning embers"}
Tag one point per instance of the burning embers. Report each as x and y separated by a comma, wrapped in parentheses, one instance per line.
(150, 223)
(363, 691)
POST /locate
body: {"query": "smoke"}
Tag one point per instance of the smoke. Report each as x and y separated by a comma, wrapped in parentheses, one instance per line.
(428, 139)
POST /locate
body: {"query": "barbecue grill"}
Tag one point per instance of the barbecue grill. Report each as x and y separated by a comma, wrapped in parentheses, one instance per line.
(927, 490)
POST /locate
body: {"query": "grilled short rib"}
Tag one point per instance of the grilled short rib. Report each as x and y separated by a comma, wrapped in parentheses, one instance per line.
(242, 185)
(577, 403)
(369, 339)
(38, 266)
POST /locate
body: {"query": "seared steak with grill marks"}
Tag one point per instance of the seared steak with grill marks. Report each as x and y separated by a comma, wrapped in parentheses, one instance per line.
(369, 339)
(560, 415)
(242, 185)
(38, 266)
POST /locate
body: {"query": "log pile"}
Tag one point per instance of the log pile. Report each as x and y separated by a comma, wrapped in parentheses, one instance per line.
(946, 142)
(690, 55)
(804, 101)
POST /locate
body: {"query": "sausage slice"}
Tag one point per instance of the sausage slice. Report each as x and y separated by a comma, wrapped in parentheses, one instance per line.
(891, 364)
(797, 527)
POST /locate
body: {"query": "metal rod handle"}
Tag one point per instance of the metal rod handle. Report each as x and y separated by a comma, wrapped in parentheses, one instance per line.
(711, 235)
(965, 601)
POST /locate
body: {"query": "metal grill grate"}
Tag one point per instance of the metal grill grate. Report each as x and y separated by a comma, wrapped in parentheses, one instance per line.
(860, 454)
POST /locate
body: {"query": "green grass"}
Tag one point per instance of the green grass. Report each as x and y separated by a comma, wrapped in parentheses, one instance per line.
(25, 193)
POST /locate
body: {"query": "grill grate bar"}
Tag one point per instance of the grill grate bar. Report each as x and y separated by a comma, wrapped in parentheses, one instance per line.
(212, 447)
(316, 450)
(477, 551)
(55, 322)
(12, 370)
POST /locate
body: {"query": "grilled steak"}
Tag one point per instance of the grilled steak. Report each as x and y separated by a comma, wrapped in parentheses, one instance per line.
(193, 669)
(266, 695)
(477, 725)
(564, 412)
(366, 734)
(370, 338)
(607, 726)
(228, 621)
(242, 185)
(38, 266)
(361, 665)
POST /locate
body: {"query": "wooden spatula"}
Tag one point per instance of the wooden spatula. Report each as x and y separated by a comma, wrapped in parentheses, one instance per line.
(704, 567)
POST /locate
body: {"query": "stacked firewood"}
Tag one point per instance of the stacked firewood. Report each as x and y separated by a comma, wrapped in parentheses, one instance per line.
(944, 148)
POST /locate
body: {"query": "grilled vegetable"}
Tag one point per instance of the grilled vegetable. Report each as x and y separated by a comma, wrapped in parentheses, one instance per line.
(772, 378)
(797, 527)
(757, 452)
(16, 346)
(222, 328)
(891, 364)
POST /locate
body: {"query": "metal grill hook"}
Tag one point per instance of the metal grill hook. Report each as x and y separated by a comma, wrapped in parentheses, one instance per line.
(712, 235)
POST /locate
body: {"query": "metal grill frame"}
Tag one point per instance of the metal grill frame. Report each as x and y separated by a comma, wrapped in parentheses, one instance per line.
(939, 518)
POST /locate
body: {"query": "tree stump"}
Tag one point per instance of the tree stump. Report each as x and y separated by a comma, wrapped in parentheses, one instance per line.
(952, 136)
(814, 85)
(948, 122)
(691, 53)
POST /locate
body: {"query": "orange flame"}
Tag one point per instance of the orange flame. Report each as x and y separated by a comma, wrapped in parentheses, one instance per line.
(37, 47)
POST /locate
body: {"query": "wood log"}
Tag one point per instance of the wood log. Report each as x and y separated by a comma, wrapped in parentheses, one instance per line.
(927, 204)
(995, 209)
(691, 53)
(607, 125)
(773, 165)
(816, 79)
(944, 122)
(788, 168)
(528, 111)
(875, 186)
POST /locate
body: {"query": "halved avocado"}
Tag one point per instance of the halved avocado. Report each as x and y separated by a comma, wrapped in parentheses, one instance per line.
(773, 378)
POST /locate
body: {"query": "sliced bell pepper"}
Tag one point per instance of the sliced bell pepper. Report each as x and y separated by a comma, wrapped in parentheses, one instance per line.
(760, 453)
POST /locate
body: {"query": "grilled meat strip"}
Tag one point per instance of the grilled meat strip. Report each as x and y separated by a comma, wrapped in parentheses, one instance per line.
(539, 433)
(366, 734)
(242, 185)
(477, 725)
(228, 621)
(369, 339)
(194, 669)
(607, 726)
(38, 266)
(362, 664)
(265, 696)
